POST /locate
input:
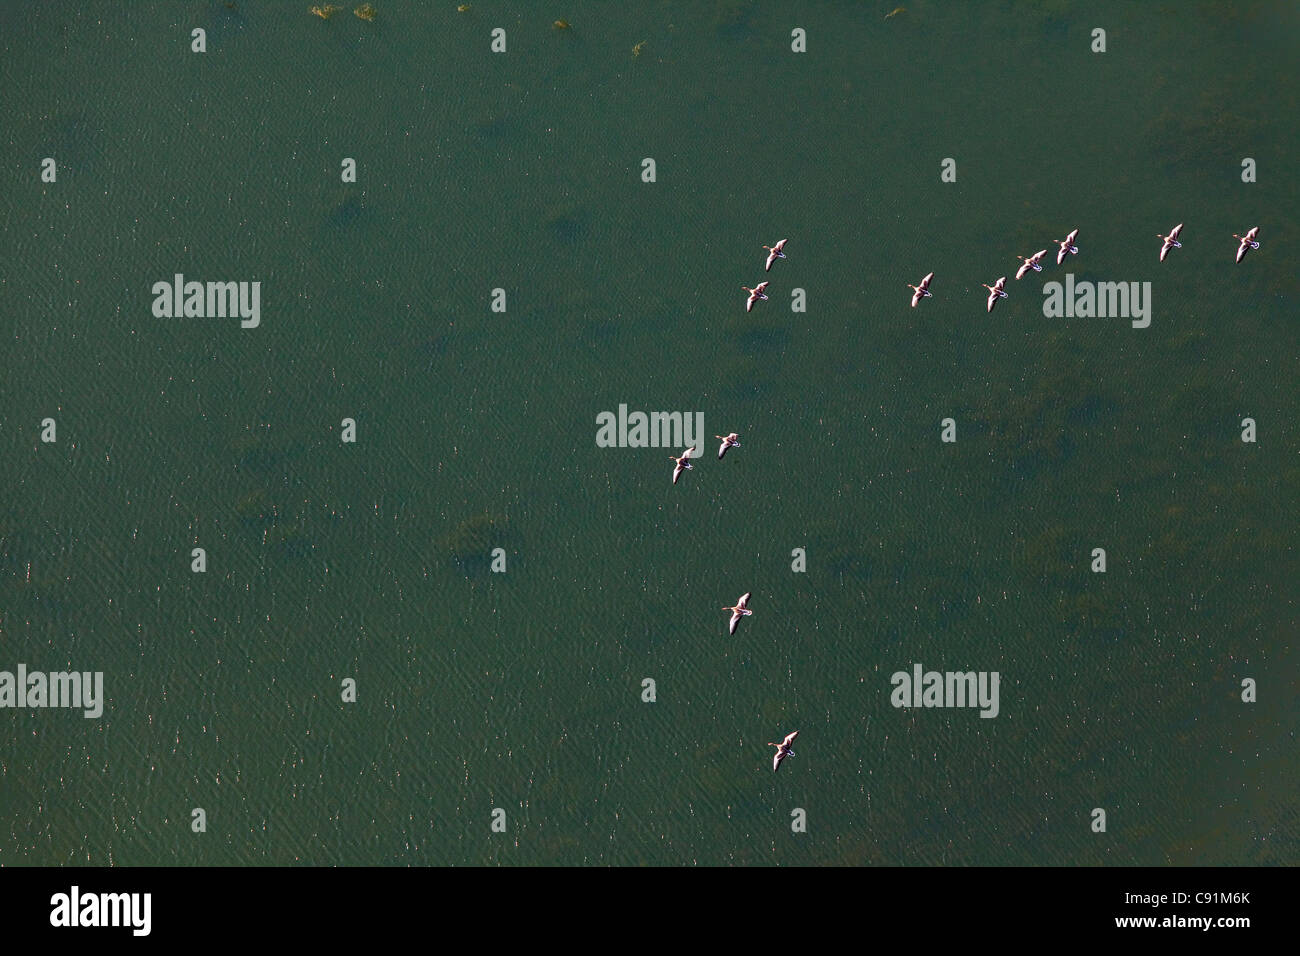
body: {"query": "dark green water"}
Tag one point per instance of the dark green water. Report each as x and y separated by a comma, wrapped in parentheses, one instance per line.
(477, 430)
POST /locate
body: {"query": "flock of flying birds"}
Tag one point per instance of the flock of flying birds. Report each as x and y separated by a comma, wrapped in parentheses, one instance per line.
(998, 289)
(1067, 247)
(741, 608)
(922, 291)
(757, 293)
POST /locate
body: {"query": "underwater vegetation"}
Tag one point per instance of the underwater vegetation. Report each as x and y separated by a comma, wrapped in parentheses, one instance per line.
(77, 140)
(253, 509)
(567, 223)
(473, 535)
(764, 338)
(257, 452)
(346, 212)
(288, 540)
(731, 20)
(365, 12)
(844, 556)
(1218, 125)
(222, 22)
(279, 532)
(469, 545)
(343, 209)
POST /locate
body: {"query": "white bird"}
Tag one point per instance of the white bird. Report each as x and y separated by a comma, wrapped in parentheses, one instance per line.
(995, 291)
(728, 441)
(1170, 241)
(1031, 263)
(682, 463)
(782, 749)
(1067, 246)
(1247, 241)
(921, 291)
(755, 294)
(774, 253)
(739, 611)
